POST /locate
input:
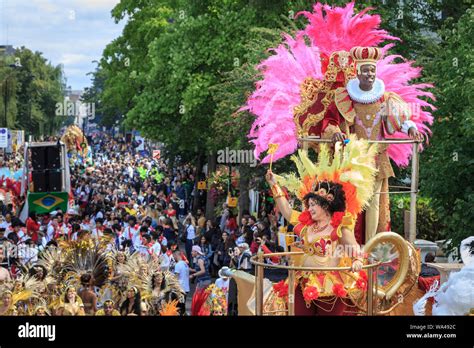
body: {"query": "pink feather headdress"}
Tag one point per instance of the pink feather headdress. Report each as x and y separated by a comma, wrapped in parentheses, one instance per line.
(329, 29)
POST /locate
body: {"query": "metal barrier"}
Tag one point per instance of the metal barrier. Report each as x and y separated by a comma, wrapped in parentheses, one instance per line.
(257, 260)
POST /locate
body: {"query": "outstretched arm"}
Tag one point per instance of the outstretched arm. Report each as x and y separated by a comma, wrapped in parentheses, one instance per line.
(279, 196)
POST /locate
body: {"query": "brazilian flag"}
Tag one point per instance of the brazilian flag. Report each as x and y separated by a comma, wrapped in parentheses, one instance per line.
(46, 202)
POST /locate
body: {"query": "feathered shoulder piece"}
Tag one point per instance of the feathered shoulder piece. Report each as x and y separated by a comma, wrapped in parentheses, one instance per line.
(352, 166)
(22, 289)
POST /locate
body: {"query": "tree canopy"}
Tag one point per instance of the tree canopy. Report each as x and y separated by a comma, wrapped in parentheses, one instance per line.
(181, 70)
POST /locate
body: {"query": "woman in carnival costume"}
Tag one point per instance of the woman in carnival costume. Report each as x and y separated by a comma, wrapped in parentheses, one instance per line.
(333, 192)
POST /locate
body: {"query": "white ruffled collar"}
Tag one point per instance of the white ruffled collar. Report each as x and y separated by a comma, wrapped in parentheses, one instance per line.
(365, 97)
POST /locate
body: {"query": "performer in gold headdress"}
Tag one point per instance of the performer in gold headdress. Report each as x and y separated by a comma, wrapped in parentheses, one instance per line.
(7, 306)
(333, 192)
(72, 304)
(370, 112)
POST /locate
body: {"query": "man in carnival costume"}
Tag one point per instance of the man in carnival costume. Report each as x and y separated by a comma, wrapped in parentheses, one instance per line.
(340, 85)
(368, 111)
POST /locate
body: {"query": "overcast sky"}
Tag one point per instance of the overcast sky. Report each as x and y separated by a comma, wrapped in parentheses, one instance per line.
(68, 32)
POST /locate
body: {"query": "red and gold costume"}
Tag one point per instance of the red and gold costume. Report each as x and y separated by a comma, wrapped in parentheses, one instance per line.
(353, 169)
(370, 115)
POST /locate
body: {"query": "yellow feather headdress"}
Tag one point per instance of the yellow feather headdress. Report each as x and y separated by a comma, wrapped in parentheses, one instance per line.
(352, 166)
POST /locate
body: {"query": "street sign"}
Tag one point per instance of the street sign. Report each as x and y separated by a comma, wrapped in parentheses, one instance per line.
(232, 201)
(141, 143)
(3, 138)
(201, 185)
(9, 143)
(156, 154)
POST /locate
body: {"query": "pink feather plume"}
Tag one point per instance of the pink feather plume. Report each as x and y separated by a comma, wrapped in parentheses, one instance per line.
(278, 93)
(396, 77)
(330, 29)
(338, 28)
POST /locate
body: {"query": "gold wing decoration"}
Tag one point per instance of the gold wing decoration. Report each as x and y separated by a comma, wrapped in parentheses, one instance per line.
(108, 292)
(155, 286)
(397, 274)
(66, 264)
(139, 272)
(73, 137)
(25, 291)
(52, 259)
(317, 95)
(86, 256)
(172, 285)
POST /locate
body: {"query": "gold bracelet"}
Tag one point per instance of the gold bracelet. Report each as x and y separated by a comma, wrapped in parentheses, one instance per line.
(277, 192)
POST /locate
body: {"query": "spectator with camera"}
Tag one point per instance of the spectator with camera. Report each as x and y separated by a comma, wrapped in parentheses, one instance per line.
(224, 250)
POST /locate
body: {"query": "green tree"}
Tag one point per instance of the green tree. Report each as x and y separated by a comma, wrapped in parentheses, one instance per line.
(34, 88)
(448, 162)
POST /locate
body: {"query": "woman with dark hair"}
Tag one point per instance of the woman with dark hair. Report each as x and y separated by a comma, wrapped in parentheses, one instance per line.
(224, 249)
(72, 304)
(205, 247)
(39, 272)
(73, 233)
(131, 305)
(332, 196)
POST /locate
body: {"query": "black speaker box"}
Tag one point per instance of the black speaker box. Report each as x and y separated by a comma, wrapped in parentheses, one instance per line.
(38, 158)
(53, 158)
(40, 183)
(54, 180)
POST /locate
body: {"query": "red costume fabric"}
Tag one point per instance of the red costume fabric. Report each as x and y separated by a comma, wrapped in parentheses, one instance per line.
(32, 228)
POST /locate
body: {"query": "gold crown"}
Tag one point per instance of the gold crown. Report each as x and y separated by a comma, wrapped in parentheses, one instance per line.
(365, 55)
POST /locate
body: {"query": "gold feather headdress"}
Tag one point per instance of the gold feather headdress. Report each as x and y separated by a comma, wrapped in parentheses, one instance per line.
(352, 166)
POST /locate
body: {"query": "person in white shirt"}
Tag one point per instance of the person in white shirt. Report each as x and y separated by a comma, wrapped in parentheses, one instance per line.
(20, 232)
(60, 227)
(119, 235)
(99, 215)
(131, 230)
(8, 221)
(130, 171)
(223, 282)
(165, 261)
(3, 223)
(98, 231)
(137, 239)
(143, 247)
(52, 230)
(75, 228)
(155, 244)
(86, 224)
(182, 270)
(190, 231)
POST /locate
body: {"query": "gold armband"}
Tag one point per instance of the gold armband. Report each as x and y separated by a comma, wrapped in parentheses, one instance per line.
(348, 221)
(277, 192)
